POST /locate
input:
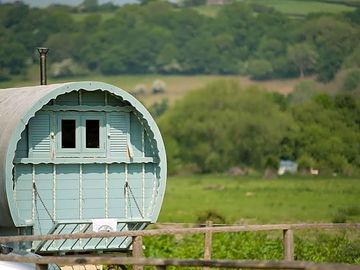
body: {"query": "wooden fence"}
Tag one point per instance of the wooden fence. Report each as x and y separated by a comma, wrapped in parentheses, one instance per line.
(138, 261)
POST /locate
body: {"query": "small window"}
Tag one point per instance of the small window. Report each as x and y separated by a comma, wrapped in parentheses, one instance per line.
(68, 133)
(92, 134)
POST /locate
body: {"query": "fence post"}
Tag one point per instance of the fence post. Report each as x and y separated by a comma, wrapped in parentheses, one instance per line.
(41, 267)
(208, 243)
(288, 244)
(137, 251)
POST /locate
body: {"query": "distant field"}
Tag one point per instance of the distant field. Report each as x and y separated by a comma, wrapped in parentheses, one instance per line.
(176, 86)
(289, 7)
(303, 7)
(256, 201)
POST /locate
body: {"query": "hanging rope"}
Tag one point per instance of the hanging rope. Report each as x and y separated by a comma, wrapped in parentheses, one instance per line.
(127, 186)
(42, 202)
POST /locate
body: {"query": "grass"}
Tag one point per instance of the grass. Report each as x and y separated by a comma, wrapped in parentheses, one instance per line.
(292, 8)
(251, 200)
(303, 7)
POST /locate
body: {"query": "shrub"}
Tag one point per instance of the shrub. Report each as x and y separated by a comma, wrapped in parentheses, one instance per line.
(260, 69)
(352, 80)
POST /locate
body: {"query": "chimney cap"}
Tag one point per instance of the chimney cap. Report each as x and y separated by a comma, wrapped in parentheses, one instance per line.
(43, 50)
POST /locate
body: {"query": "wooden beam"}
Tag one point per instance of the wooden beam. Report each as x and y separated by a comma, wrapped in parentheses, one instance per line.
(137, 251)
(288, 244)
(208, 243)
(244, 228)
(97, 260)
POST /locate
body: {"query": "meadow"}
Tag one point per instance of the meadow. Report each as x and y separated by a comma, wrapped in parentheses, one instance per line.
(254, 200)
(292, 8)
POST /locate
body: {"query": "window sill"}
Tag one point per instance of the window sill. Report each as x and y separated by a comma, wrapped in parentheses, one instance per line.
(82, 160)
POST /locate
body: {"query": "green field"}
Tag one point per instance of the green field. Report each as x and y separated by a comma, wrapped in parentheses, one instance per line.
(289, 7)
(253, 200)
(303, 7)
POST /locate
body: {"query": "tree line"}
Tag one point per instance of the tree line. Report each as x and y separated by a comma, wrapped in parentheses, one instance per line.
(159, 37)
(225, 125)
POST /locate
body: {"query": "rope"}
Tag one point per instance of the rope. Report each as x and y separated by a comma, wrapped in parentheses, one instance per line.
(132, 195)
(43, 204)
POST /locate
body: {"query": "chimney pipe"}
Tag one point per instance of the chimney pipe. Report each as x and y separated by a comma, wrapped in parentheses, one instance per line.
(43, 51)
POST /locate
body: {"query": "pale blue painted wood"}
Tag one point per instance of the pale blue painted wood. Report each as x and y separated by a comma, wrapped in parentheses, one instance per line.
(136, 131)
(39, 135)
(149, 188)
(116, 183)
(92, 98)
(93, 183)
(135, 201)
(67, 191)
(44, 185)
(118, 130)
(113, 100)
(23, 188)
(149, 148)
(22, 147)
(71, 98)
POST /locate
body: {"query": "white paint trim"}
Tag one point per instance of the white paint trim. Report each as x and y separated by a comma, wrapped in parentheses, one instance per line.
(33, 192)
(126, 191)
(106, 191)
(54, 191)
(81, 192)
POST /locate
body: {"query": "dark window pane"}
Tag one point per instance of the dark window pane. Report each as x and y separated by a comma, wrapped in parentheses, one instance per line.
(68, 133)
(92, 134)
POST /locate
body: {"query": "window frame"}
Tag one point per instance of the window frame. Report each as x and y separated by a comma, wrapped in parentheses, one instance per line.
(60, 152)
(101, 151)
(80, 149)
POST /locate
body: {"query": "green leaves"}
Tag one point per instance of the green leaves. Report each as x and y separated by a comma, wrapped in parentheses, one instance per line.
(224, 125)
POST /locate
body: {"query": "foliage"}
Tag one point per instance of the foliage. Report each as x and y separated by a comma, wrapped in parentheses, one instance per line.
(257, 246)
(236, 127)
(303, 92)
(329, 132)
(303, 56)
(352, 80)
(231, 127)
(158, 37)
(260, 69)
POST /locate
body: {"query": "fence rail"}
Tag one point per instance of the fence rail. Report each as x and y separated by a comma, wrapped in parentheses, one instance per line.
(41, 262)
(138, 261)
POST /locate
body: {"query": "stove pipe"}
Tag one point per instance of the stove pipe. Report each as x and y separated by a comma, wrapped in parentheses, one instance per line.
(43, 51)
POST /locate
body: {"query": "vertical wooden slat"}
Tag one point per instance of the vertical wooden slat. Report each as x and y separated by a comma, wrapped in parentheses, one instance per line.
(137, 251)
(208, 243)
(288, 244)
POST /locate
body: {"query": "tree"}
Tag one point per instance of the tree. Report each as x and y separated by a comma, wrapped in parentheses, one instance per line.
(89, 5)
(303, 56)
(260, 69)
(230, 127)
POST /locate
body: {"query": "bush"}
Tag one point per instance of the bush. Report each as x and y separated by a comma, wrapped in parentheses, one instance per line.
(318, 247)
(67, 68)
(158, 87)
(260, 69)
(352, 80)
